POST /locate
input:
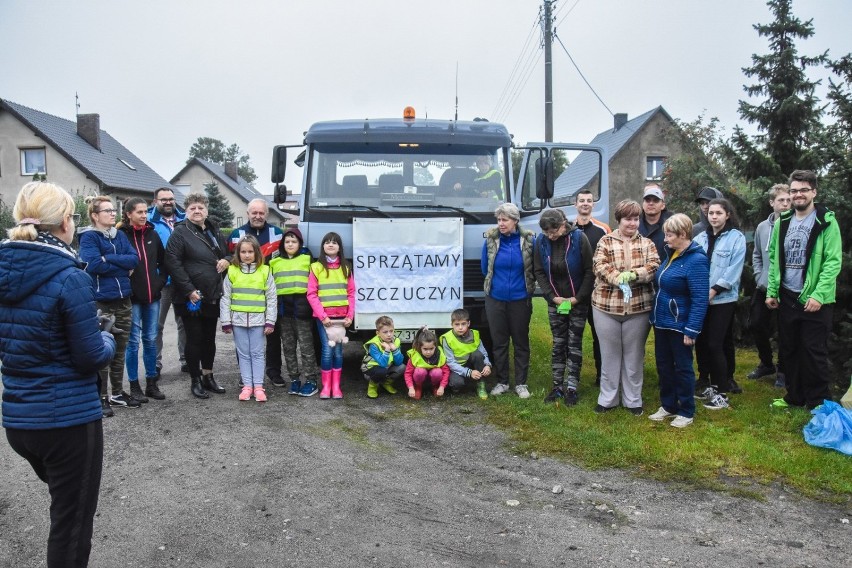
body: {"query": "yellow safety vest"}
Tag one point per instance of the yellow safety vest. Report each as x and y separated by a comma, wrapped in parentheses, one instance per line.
(418, 361)
(248, 291)
(331, 286)
(291, 274)
(369, 361)
(461, 350)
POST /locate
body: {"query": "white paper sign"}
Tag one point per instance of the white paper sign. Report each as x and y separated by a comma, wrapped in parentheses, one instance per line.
(408, 266)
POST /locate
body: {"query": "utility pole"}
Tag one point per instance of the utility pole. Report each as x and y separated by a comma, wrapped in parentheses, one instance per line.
(548, 67)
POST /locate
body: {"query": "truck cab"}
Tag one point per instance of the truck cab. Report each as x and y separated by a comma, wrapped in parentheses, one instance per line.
(415, 195)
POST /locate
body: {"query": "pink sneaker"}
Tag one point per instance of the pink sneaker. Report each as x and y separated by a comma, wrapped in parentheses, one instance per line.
(259, 394)
(245, 394)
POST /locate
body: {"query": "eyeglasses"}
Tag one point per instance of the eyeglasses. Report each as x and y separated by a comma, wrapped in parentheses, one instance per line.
(76, 218)
(167, 200)
(107, 211)
(798, 191)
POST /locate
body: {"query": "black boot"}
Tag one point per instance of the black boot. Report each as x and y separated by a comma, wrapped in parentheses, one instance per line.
(197, 390)
(152, 390)
(210, 384)
(106, 409)
(136, 391)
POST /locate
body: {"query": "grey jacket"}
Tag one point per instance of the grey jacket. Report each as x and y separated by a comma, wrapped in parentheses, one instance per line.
(760, 255)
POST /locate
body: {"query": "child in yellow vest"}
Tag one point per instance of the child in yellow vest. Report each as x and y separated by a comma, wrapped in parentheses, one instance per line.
(248, 309)
(383, 361)
(426, 360)
(466, 356)
(331, 294)
(291, 269)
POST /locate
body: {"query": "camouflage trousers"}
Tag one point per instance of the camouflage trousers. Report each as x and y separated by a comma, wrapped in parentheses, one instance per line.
(296, 333)
(123, 312)
(567, 354)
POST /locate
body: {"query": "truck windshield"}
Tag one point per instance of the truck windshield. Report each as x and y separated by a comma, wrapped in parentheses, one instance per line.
(395, 176)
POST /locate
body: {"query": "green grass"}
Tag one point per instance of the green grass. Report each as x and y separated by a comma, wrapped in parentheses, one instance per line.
(739, 449)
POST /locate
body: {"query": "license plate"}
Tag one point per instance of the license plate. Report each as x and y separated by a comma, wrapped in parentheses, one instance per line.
(405, 335)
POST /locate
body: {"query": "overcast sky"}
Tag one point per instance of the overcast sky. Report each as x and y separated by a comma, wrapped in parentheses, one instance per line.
(161, 73)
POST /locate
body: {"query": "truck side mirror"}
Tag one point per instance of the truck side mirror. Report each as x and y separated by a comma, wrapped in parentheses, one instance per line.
(279, 195)
(279, 164)
(544, 178)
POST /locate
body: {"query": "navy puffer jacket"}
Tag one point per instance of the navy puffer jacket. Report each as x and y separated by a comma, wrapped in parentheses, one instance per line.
(109, 258)
(683, 291)
(50, 344)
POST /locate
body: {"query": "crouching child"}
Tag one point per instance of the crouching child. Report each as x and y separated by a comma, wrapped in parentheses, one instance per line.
(466, 356)
(383, 360)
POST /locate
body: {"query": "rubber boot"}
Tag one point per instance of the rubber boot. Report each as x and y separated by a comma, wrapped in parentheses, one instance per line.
(372, 389)
(136, 392)
(335, 383)
(325, 377)
(198, 390)
(152, 390)
(210, 384)
(388, 386)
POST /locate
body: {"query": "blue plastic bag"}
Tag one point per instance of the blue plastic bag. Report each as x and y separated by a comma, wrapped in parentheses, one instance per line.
(831, 427)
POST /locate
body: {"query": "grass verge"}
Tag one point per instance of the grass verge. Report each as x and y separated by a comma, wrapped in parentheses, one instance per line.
(736, 449)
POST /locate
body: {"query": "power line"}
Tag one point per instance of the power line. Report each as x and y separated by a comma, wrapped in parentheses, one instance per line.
(566, 14)
(581, 74)
(520, 88)
(525, 54)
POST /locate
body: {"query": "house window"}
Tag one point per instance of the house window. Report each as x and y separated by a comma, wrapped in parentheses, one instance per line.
(654, 166)
(32, 161)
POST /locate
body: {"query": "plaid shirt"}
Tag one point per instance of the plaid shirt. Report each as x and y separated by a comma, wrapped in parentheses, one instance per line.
(616, 254)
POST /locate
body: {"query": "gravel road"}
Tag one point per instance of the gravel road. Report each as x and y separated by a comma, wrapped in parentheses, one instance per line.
(304, 482)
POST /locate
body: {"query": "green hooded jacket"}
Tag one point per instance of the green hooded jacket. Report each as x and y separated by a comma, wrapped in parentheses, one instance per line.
(823, 253)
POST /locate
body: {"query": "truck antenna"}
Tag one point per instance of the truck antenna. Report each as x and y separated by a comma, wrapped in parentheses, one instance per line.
(457, 91)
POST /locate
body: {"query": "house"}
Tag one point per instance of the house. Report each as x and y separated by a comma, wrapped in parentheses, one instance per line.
(78, 156)
(236, 190)
(638, 150)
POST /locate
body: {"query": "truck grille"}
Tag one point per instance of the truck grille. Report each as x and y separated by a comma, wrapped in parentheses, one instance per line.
(473, 278)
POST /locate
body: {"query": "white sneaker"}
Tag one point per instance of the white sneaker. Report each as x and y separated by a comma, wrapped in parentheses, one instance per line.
(522, 391)
(661, 415)
(499, 389)
(681, 422)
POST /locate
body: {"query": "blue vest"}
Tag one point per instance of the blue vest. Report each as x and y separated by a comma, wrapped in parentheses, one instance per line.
(573, 257)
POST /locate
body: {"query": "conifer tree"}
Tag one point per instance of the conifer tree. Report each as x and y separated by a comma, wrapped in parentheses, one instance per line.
(219, 210)
(788, 117)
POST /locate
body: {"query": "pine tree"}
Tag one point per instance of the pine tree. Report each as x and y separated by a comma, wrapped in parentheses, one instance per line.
(219, 209)
(788, 119)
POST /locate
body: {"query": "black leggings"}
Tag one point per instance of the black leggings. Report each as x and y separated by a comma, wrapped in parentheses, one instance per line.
(200, 342)
(714, 347)
(70, 461)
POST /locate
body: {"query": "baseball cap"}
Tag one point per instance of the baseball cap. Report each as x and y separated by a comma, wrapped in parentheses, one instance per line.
(654, 192)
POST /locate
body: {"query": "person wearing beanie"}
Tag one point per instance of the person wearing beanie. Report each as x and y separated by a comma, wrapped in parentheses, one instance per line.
(706, 195)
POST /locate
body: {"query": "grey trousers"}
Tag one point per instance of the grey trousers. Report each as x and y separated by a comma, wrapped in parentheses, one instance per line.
(622, 357)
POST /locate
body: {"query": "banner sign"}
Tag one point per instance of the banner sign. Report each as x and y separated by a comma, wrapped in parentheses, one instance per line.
(408, 265)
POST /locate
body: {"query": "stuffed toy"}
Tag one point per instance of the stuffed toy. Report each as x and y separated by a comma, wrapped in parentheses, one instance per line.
(336, 334)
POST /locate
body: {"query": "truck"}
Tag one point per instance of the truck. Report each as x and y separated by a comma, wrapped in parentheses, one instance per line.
(411, 199)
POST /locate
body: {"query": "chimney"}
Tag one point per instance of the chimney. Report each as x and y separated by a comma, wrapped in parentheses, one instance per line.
(620, 119)
(231, 170)
(89, 129)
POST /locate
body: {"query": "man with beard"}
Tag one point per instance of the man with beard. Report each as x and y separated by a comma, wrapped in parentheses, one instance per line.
(804, 261)
(164, 215)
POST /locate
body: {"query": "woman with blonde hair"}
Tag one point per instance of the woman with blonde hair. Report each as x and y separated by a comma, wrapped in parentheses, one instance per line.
(51, 408)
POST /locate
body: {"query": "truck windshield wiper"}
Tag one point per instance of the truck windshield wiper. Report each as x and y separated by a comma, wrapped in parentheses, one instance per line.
(466, 214)
(375, 210)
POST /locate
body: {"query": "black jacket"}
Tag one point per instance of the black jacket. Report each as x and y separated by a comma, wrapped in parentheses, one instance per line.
(149, 276)
(191, 258)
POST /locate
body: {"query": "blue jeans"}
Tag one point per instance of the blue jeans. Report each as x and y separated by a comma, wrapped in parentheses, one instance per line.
(331, 357)
(145, 325)
(677, 377)
(251, 354)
